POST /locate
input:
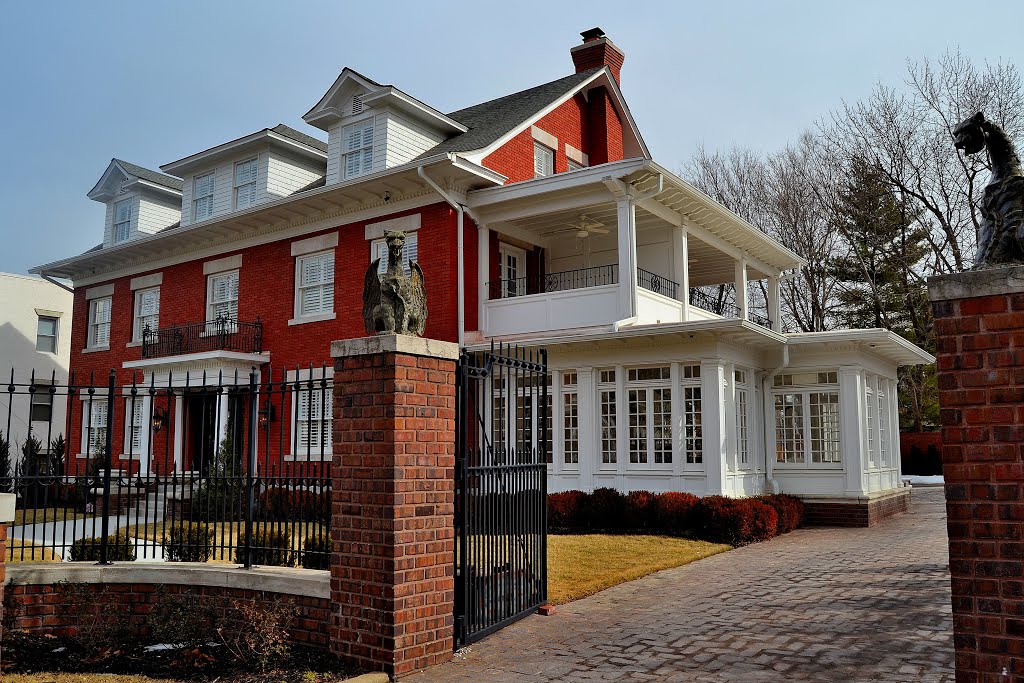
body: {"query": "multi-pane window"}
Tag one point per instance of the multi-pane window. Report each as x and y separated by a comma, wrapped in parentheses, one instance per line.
(357, 142)
(94, 425)
(543, 160)
(99, 323)
(693, 434)
(245, 183)
(871, 417)
(797, 378)
(824, 414)
(410, 250)
(133, 433)
(649, 400)
(122, 220)
(41, 409)
(570, 419)
(222, 296)
(313, 418)
(530, 437)
(147, 311)
(789, 428)
(606, 397)
(742, 428)
(883, 425)
(46, 334)
(499, 419)
(202, 197)
(807, 420)
(315, 284)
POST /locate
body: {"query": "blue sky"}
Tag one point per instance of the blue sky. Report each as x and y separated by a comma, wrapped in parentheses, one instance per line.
(151, 82)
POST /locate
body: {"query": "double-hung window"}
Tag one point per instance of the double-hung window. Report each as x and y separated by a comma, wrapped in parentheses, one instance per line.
(147, 312)
(649, 398)
(202, 197)
(410, 251)
(606, 400)
(134, 423)
(41, 409)
(807, 419)
(46, 334)
(570, 419)
(99, 323)
(222, 296)
(543, 160)
(312, 395)
(357, 144)
(122, 220)
(314, 284)
(94, 425)
(245, 183)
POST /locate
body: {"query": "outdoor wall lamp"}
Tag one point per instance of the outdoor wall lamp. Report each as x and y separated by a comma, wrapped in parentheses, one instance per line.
(266, 414)
(159, 419)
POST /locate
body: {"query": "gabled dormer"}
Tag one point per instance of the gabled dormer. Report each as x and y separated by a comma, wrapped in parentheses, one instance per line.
(139, 201)
(261, 167)
(371, 127)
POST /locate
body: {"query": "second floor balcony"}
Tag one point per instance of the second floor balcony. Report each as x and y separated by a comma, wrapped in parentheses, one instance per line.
(222, 334)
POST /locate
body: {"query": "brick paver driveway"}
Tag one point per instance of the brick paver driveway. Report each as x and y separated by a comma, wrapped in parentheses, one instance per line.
(815, 605)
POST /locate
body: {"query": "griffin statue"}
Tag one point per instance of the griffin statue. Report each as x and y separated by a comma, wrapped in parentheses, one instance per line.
(1001, 233)
(394, 303)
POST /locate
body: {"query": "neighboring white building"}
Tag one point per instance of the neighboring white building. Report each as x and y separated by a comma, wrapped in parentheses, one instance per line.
(35, 337)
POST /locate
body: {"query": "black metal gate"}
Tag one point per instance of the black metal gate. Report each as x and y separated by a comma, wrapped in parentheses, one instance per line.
(503, 438)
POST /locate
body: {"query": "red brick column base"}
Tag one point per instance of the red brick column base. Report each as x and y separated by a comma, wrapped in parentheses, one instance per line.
(7, 503)
(392, 505)
(979, 328)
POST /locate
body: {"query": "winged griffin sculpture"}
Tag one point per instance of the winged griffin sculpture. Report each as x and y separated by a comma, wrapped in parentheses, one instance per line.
(394, 303)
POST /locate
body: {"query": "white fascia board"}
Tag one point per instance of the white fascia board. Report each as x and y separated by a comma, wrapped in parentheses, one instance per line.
(400, 100)
(881, 341)
(320, 110)
(171, 361)
(100, 192)
(623, 108)
(479, 199)
(156, 188)
(198, 159)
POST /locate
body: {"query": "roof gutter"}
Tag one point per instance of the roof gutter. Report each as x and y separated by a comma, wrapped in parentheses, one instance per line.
(460, 239)
(55, 282)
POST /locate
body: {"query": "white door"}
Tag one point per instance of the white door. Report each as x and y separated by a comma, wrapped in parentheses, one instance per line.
(513, 270)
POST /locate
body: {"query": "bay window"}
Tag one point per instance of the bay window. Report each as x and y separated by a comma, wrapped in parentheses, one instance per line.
(649, 401)
(807, 419)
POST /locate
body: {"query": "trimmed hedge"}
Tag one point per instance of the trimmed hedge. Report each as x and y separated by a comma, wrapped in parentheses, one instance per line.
(119, 549)
(271, 547)
(736, 521)
(316, 552)
(188, 542)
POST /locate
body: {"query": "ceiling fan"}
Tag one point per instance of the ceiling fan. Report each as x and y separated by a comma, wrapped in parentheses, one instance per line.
(585, 227)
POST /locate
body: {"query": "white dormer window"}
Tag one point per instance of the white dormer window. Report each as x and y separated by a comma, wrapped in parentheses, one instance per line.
(202, 197)
(543, 160)
(122, 220)
(357, 141)
(245, 183)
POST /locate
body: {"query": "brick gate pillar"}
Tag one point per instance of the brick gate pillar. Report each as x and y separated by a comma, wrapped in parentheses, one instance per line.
(392, 504)
(979, 329)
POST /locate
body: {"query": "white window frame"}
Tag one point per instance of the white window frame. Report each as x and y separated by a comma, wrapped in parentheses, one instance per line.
(138, 322)
(742, 399)
(206, 197)
(93, 434)
(323, 391)
(543, 160)
(210, 303)
(410, 252)
(119, 222)
(361, 153)
(41, 388)
(575, 165)
(569, 405)
(324, 285)
(140, 450)
(653, 389)
(52, 339)
(608, 417)
(510, 285)
(806, 430)
(246, 186)
(691, 406)
(96, 324)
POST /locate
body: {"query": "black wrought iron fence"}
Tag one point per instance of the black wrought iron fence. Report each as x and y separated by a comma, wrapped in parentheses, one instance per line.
(656, 283)
(222, 334)
(191, 467)
(554, 282)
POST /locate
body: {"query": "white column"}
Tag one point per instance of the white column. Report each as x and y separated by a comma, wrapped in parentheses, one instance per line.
(892, 392)
(713, 425)
(483, 269)
(179, 429)
(678, 428)
(627, 257)
(741, 288)
(775, 303)
(680, 267)
(222, 420)
(585, 408)
(851, 427)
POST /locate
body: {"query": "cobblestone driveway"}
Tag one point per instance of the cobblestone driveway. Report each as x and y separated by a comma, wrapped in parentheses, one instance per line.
(815, 605)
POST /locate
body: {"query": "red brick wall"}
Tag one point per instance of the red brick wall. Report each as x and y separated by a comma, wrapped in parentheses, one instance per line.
(44, 609)
(266, 291)
(980, 362)
(392, 576)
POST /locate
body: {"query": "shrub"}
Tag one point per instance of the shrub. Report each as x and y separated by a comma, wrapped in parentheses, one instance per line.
(269, 547)
(565, 510)
(735, 521)
(603, 509)
(259, 634)
(763, 521)
(789, 509)
(674, 511)
(641, 511)
(182, 618)
(119, 549)
(188, 542)
(316, 551)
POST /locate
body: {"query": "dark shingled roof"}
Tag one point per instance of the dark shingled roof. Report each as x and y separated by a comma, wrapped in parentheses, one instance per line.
(154, 177)
(308, 140)
(490, 120)
(319, 182)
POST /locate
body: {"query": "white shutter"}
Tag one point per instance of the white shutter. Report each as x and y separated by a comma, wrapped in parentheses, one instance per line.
(148, 310)
(224, 296)
(316, 284)
(96, 426)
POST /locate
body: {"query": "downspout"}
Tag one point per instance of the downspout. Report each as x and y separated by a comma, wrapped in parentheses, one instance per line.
(55, 282)
(460, 239)
(765, 395)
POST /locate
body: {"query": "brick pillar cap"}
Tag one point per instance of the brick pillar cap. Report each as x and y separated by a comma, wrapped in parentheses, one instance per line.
(995, 281)
(7, 501)
(395, 343)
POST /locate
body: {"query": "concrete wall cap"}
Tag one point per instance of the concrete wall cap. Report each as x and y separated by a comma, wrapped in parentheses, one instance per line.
(977, 283)
(395, 343)
(310, 583)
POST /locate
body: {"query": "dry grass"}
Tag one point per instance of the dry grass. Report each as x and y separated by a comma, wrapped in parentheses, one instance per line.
(42, 515)
(581, 565)
(76, 678)
(228, 534)
(19, 552)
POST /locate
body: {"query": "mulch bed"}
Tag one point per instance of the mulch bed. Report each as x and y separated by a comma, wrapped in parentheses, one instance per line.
(28, 653)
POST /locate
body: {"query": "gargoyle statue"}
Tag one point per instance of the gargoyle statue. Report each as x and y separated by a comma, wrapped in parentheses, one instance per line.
(1001, 233)
(394, 303)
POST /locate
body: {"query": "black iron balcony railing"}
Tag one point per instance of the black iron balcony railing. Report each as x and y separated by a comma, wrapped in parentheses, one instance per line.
(222, 334)
(554, 282)
(726, 309)
(656, 283)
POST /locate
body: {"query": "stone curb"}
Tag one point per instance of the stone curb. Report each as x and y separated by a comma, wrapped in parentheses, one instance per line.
(370, 678)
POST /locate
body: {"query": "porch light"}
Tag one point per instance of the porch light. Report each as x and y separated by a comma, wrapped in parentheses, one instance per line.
(159, 420)
(266, 416)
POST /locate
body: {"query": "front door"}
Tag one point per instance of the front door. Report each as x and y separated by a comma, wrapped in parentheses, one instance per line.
(200, 431)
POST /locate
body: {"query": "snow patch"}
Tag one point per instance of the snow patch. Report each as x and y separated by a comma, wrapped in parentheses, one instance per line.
(924, 480)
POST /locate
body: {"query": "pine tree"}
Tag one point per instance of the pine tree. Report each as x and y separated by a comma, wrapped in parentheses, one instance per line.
(6, 475)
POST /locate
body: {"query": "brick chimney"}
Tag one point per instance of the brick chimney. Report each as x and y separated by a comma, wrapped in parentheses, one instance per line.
(597, 51)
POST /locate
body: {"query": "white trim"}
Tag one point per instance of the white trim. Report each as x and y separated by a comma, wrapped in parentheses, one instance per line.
(137, 328)
(543, 137)
(573, 154)
(251, 358)
(297, 292)
(190, 163)
(410, 223)
(222, 264)
(314, 244)
(296, 378)
(46, 313)
(100, 291)
(319, 317)
(147, 281)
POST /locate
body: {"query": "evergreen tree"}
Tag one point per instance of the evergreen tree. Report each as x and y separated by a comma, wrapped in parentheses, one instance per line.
(6, 473)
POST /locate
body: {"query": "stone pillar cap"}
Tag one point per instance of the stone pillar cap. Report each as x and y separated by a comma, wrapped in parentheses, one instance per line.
(395, 343)
(7, 501)
(971, 284)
